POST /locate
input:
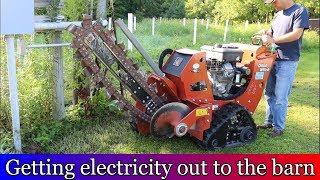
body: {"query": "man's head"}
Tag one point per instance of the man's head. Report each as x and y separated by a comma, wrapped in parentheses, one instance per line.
(279, 4)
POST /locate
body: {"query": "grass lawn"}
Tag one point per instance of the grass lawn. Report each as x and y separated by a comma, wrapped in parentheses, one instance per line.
(112, 135)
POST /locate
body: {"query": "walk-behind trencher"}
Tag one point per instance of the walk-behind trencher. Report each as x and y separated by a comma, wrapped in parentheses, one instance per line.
(208, 94)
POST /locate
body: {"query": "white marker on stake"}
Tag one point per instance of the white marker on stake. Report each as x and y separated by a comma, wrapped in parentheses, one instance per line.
(13, 89)
(110, 23)
(226, 31)
(207, 25)
(184, 21)
(246, 25)
(130, 27)
(153, 25)
(195, 31)
(135, 23)
(202, 21)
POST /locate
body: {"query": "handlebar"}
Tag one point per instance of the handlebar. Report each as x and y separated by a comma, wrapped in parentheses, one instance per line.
(258, 39)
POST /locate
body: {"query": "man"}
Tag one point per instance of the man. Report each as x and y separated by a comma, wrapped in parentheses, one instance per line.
(286, 33)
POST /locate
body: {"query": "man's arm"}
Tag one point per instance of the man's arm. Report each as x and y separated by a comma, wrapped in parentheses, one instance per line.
(289, 37)
(300, 23)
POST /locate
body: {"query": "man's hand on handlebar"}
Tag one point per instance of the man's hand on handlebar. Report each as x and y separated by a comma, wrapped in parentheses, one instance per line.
(268, 41)
(265, 32)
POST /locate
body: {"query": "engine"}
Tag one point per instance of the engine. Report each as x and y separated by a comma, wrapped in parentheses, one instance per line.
(228, 80)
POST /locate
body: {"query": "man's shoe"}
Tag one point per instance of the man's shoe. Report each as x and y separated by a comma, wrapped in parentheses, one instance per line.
(275, 133)
(265, 126)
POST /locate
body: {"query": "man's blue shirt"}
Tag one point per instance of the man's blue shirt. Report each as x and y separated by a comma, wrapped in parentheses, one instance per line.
(286, 21)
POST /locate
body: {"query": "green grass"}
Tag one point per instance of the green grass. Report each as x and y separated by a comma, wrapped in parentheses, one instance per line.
(109, 132)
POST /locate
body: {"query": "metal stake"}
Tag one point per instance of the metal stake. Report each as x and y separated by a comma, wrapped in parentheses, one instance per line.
(13, 89)
(59, 110)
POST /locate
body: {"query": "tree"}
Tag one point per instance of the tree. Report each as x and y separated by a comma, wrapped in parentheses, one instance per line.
(252, 10)
(229, 9)
(313, 7)
(173, 9)
(195, 8)
(73, 9)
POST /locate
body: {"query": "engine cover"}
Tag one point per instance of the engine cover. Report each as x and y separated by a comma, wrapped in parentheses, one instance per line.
(223, 53)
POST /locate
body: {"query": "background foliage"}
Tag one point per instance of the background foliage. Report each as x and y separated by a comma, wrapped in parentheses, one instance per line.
(252, 10)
